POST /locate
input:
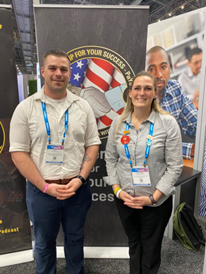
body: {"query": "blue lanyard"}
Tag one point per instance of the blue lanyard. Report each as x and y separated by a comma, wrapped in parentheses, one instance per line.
(66, 122)
(126, 149)
(149, 143)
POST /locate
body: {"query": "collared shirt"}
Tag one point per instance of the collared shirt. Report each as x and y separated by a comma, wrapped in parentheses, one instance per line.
(28, 132)
(164, 160)
(176, 102)
(189, 82)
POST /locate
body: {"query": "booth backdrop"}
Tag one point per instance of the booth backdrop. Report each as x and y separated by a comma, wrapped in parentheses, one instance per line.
(106, 46)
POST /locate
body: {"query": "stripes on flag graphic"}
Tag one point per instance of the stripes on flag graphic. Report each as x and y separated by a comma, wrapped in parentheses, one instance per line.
(103, 77)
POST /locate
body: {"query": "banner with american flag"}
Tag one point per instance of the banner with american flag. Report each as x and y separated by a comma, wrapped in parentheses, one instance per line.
(106, 46)
(102, 79)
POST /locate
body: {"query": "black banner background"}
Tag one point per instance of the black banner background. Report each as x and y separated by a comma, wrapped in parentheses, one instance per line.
(123, 31)
(14, 222)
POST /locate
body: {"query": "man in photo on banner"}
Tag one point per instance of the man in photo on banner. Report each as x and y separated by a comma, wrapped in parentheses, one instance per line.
(171, 96)
(190, 77)
(54, 143)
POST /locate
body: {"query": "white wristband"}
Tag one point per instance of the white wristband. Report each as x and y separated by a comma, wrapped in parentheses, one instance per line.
(118, 192)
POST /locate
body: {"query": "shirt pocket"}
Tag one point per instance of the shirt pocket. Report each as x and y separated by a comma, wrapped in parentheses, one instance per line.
(131, 148)
(37, 126)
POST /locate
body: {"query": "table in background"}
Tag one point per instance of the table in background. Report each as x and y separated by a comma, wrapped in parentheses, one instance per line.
(188, 163)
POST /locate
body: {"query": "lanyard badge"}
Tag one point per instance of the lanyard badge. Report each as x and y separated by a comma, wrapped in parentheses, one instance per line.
(54, 152)
(140, 175)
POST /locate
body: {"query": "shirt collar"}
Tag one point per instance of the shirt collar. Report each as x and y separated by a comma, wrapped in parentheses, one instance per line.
(70, 96)
(151, 117)
(169, 89)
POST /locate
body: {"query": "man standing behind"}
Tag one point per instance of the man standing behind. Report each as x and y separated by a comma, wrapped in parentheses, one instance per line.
(190, 77)
(54, 143)
(171, 96)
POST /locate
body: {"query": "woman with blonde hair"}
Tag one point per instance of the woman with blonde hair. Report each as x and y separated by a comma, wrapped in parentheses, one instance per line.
(144, 161)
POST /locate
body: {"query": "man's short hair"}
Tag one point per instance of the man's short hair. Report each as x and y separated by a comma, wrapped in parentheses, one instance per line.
(55, 52)
(156, 49)
(192, 52)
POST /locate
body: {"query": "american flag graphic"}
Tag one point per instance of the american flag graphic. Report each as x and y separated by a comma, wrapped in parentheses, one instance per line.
(99, 74)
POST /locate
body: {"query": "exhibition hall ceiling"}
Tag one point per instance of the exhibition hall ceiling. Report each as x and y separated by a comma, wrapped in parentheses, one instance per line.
(24, 30)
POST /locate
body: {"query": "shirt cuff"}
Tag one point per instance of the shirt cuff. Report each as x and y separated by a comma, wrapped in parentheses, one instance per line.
(16, 147)
(110, 181)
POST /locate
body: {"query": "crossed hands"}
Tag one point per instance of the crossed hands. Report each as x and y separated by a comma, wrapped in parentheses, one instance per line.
(63, 192)
(134, 202)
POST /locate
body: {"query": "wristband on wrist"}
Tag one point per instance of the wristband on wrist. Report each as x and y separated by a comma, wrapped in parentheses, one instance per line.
(152, 200)
(82, 179)
(118, 193)
(116, 189)
(45, 188)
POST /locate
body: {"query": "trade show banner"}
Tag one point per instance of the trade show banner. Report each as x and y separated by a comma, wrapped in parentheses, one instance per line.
(14, 222)
(106, 46)
(178, 35)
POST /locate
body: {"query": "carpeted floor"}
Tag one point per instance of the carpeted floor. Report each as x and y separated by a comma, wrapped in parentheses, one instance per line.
(175, 260)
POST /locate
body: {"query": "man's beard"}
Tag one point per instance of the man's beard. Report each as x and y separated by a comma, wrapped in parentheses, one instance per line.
(160, 91)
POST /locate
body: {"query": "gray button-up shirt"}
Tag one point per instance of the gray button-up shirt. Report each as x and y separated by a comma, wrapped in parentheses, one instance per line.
(164, 160)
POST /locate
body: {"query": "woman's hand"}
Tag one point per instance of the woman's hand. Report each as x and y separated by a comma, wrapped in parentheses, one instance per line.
(123, 195)
(136, 202)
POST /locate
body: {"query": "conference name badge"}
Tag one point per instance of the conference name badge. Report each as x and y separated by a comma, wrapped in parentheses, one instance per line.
(54, 154)
(141, 176)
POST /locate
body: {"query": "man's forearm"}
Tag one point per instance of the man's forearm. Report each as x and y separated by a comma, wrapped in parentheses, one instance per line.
(90, 158)
(28, 169)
